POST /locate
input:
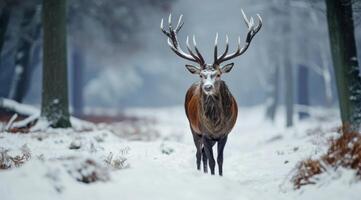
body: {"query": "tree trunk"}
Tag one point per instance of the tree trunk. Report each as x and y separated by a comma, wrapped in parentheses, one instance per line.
(326, 76)
(344, 57)
(273, 94)
(4, 21)
(288, 73)
(21, 79)
(77, 76)
(302, 88)
(55, 105)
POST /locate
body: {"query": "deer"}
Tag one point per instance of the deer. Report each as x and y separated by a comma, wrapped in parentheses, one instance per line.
(209, 105)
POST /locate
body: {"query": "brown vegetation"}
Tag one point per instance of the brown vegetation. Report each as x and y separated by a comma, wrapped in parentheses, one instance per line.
(7, 161)
(344, 151)
(89, 171)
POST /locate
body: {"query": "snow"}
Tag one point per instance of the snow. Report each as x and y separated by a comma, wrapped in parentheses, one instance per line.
(11, 121)
(260, 158)
(19, 69)
(33, 113)
(17, 107)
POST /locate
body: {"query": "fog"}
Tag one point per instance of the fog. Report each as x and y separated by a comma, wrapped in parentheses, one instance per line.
(142, 71)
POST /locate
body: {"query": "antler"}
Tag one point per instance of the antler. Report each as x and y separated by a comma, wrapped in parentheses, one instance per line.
(174, 43)
(252, 30)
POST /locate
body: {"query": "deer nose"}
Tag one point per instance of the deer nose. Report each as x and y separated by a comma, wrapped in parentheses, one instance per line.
(208, 88)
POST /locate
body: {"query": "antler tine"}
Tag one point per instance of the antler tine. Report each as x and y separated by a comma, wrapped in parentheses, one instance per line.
(197, 51)
(245, 18)
(162, 28)
(173, 40)
(239, 43)
(218, 60)
(252, 31)
(161, 24)
(259, 23)
(179, 24)
(215, 48)
(251, 21)
(226, 50)
(190, 50)
(170, 21)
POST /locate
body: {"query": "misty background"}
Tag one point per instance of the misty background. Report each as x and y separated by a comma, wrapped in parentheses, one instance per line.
(118, 57)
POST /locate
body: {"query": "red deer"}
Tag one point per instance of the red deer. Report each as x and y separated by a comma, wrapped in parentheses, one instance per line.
(210, 107)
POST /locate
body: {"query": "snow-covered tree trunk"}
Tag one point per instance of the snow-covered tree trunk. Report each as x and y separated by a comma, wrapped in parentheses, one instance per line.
(55, 105)
(344, 57)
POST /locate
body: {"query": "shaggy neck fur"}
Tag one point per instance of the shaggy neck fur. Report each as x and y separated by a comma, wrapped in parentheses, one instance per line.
(216, 109)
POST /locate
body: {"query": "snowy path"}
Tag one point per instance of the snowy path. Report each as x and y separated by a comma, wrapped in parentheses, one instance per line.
(259, 158)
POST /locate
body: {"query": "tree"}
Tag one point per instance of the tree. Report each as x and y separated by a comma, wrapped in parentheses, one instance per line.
(273, 93)
(77, 81)
(4, 21)
(302, 91)
(344, 57)
(55, 107)
(287, 62)
(30, 26)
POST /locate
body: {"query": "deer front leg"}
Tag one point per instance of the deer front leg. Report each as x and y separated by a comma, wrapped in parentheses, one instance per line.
(208, 144)
(198, 157)
(220, 147)
(198, 143)
(204, 157)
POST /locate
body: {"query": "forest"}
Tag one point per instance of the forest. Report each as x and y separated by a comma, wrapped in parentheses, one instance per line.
(180, 99)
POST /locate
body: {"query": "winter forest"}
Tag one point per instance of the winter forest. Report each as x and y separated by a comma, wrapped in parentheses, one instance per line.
(180, 99)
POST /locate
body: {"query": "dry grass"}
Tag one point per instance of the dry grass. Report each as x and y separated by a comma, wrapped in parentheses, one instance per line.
(7, 161)
(88, 171)
(118, 161)
(306, 170)
(344, 151)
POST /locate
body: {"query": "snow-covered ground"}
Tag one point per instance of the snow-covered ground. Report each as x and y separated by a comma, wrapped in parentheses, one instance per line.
(156, 160)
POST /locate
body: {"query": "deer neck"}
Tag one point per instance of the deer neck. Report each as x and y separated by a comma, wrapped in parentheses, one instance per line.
(215, 109)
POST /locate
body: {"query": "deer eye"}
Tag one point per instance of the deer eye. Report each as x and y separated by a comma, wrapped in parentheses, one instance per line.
(218, 75)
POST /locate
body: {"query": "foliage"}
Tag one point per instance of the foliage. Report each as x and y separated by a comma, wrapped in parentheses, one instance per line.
(7, 161)
(88, 171)
(344, 151)
(118, 161)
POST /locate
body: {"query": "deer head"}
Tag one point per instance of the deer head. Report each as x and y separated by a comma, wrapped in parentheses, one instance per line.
(210, 74)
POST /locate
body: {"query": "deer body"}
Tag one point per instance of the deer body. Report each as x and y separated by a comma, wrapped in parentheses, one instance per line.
(211, 116)
(210, 107)
(211, 119)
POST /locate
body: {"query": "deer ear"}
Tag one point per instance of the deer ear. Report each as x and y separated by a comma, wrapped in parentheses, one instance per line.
(193, 69)
(227, 68)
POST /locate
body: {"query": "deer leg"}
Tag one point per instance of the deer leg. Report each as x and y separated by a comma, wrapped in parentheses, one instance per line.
(208, 144)
(220, 147)
(204, 157)
(198, 144)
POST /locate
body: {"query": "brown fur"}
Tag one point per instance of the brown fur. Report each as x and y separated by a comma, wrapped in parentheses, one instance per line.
(213, 116)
